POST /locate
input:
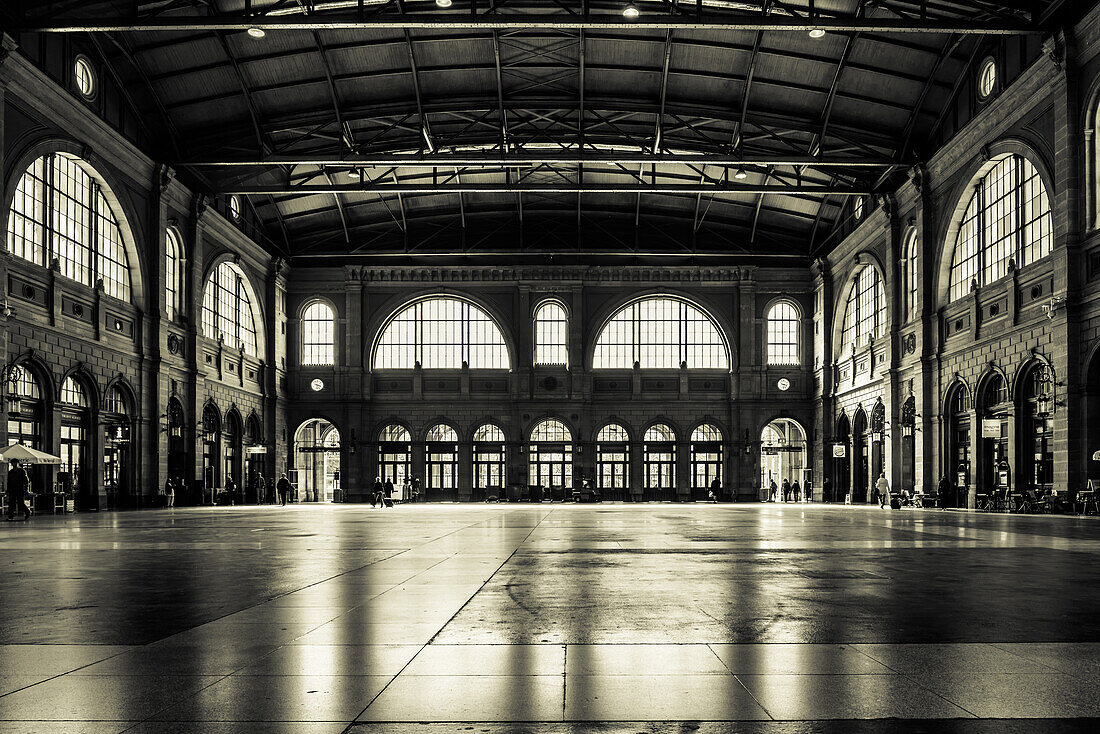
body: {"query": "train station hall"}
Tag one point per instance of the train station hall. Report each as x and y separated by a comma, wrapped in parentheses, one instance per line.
(550, 366)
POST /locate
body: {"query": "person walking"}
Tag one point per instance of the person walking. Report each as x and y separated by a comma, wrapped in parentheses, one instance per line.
(416, 489)
(169, 491)
(715, 490)
(19, 482)
(261, 489)
(231, 490)
(882, 487)
(387, 493)
(786, 490)
(773, 492)
(282, 487)
(826, 490)
(796, 491)
(377, 491)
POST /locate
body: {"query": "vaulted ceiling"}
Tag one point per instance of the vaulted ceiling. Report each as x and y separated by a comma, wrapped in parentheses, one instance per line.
(526, 128)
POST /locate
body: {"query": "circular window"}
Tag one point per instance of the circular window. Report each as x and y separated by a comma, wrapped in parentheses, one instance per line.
(235, 207)
(784, 384)
(857, 210)
(317, 385)
(84, 77)
(987, 78)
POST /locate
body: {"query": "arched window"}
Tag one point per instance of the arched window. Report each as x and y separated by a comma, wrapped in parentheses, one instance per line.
(910, 276)
(73, 394)
(227, 309)
(659, 463)
(660, 332)
(115, 402)
(613, 462)
(488, 451)
(441, 463)
(488, 433)
(59, 211)
(442, 432)
(318, 334)
(706, 461)
(865, 314)
(707, 432)
(1007, 219)
(550, 457)
(441, 333)
(783, 326)
(173, 288)
(551, 333)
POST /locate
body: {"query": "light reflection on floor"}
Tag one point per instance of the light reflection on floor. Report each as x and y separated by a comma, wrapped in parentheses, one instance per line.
(311, 618)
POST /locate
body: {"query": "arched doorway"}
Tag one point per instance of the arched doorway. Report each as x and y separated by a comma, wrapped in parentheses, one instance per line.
(908, 444)
(860, 463)
(994, 415)
(317, 460)
(842, 439)
(177, 447)
(231, 453)
(76, 420)
(394, 463)
(117, 429)
(255, 454)
(489, 464)
(211, 435)
(783, 455)
(613, 462)
(957, 469)
(1092, 420)
(441, 463)
(25, 425)
(878, 442)
(550, 459)
(1036, 411)
(706, 461)
(659, 463)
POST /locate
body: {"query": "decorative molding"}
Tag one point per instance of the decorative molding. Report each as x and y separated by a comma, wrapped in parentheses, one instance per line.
(564, 273)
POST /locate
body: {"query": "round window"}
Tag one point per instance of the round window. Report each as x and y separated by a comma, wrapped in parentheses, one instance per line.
(857, 210)
(987, 78)
(84, 77)
(784, 384)
(317, 385)
(235, 207)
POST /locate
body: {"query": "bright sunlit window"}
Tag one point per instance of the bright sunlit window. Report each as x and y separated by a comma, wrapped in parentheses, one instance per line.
(551, 333)
(660, 332)
(73, 394)
(1008, 218)
(441, 333)
(59, 211)
(227, 309)
(173, 254)
(318, 334)
(783, 324)
(865, 314)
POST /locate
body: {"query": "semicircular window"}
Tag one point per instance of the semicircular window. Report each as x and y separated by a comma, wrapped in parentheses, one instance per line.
(660, 332)
(441, 333)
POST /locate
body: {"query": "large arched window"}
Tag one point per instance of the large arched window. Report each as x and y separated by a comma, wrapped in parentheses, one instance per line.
(173, 288)
(318, 334)
(551, 334)
(59, 211)
(783, 326)
(441, 333)
(909, 264)
(660, 332)
(1007, 219)
(227, 309)
(865, 314)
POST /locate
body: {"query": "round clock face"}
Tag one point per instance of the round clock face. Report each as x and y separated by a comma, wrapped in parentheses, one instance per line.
(784, 384)
(317, 385)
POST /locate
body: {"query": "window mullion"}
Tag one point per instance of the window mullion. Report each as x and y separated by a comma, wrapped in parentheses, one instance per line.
(49, 201)
(93, 231)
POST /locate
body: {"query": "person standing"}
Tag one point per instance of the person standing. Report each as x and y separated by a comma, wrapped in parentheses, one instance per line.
(715, 490)
(167, 491)
(883, 488)
(773, 492)
(786, 490)
(231, 490)
(170, 492)
(387, 493)
(18, 484)
(282, 487)
(796, 491)
(261, 489)
(826, 490)
(946, 491)
(416, 489)
(376, 492)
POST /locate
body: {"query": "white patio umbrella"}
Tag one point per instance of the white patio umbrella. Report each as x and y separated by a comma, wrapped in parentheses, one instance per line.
(28, 455)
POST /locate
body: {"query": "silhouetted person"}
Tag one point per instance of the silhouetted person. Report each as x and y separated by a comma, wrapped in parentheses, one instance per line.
(19, 482)
(169, 493)
(283, 488)
(377, 492)
(261, 489)
(387, 493)
(416, 489)
(715, 490)
(827, 490)
(796, 491)
(231, 490)
(946, 491)
(786, 490)
(773, 492)
(883, 488)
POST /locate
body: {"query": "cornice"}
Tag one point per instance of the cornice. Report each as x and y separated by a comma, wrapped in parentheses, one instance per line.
(590, 274)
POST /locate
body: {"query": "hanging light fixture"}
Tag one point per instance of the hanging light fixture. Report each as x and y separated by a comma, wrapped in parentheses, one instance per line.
(740, 174)
(631, 11)
(817, 33)
(257, 32)
(443, 3)
(353, 173)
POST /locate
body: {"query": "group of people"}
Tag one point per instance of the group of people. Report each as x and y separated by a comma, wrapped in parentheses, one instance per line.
(791, 491)
(383, 489)
(19, 490)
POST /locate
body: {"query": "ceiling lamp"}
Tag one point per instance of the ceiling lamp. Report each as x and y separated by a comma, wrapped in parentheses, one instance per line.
(631, 11)
(817, 33)
(257, 32)
(740, 174)
(443, 3)
(353, 173)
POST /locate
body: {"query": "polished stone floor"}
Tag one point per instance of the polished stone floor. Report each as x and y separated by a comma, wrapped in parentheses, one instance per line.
(764, 619)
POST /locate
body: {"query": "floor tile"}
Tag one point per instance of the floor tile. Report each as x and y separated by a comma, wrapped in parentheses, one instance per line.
(847, 697)
(511, 660)
(928, 659)
(642, 660)
(175, 658)
(279, 698)
(1018, 695)
(658, 698)
(241, 727)
(469, 698)
(99, 698)
(388, 633)
(796, 659)
(1075, 658)
(52, 659)
(334, 660)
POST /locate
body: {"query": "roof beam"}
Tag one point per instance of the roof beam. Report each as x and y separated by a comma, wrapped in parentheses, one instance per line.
(524, 159)
(521, 21)
(561, 187)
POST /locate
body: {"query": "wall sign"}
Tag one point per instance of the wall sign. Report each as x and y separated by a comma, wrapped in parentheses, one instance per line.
(991, 427)
(840, 450)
